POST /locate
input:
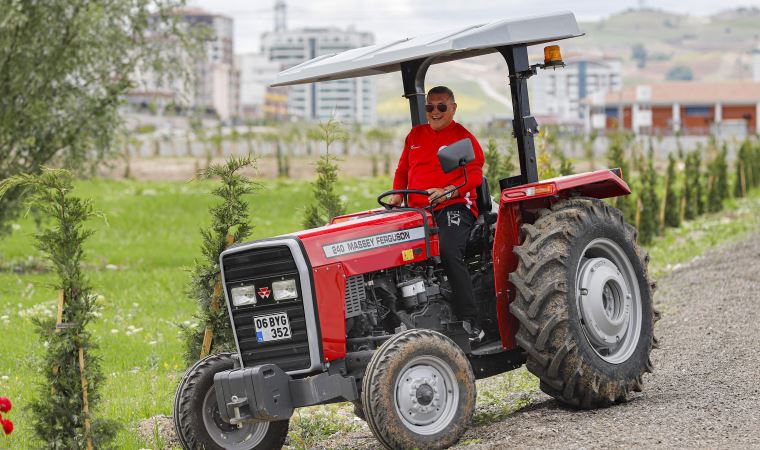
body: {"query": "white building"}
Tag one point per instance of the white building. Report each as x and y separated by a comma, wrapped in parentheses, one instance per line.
(756, 64)
(215, 83)
(350, 100)
(560, 93)
(256, 73)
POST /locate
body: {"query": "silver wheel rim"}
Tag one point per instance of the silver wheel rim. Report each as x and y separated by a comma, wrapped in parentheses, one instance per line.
(427, 395)
(608, 300)
(229, 436)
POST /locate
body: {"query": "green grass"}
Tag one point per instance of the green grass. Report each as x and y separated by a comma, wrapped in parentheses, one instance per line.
(138, 261)
(694, 237)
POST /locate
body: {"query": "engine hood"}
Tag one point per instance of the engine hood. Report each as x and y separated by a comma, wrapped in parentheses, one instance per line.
(372, 240)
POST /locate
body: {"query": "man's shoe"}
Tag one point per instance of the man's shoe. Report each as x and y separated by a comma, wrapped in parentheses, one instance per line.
(476, 333)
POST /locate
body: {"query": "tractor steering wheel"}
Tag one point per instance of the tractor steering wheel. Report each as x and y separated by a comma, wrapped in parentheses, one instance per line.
(404, 192)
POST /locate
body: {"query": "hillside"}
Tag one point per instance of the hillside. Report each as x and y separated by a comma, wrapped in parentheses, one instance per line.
(714, 48)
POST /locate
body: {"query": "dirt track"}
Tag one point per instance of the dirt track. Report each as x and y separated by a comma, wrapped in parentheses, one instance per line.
(705, 391)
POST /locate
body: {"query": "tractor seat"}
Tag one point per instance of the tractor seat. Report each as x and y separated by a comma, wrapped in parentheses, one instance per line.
(480, 235)
(485, 203)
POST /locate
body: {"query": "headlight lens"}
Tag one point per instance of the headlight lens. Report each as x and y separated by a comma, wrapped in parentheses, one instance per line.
(284, 290)
(244, 295)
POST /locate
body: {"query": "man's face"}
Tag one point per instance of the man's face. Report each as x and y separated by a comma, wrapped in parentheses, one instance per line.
(439, 120)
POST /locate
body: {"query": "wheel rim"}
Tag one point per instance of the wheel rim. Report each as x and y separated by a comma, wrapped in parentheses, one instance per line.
(427, 395)
(609, 300)
(226, 435)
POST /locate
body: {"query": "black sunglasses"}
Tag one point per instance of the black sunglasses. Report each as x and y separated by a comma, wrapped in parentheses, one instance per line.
(442, 107)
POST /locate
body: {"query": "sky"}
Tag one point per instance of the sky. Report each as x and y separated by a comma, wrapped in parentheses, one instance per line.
(394, 19)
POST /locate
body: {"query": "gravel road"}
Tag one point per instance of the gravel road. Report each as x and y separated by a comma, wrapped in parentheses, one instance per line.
(704, 391)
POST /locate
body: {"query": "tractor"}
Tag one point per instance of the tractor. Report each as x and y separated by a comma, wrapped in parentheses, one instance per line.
(360, 310)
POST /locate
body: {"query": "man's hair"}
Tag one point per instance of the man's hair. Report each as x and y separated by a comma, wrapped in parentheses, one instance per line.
(442, 90)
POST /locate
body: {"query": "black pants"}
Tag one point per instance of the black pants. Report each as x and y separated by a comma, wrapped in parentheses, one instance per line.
(454, 225)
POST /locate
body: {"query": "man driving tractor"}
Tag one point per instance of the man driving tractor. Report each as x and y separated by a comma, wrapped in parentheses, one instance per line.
(455, 209)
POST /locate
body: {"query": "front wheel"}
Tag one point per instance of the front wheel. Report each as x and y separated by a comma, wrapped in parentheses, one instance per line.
(198, 422)
(584, 302)
(418, 391)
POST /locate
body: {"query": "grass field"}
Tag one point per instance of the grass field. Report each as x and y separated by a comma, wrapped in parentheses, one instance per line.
(138, 262)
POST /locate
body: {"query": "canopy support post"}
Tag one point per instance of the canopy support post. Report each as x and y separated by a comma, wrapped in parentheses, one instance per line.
(524, 125)
(413, 75)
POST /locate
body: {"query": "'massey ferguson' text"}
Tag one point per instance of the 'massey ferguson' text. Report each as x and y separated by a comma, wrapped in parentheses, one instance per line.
(372, 242)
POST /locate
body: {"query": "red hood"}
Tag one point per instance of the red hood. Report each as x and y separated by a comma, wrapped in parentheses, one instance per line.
(377, 240)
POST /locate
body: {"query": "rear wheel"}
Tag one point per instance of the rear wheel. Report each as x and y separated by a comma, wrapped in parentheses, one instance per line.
(197, 419)
(584, 302)
(418, 391)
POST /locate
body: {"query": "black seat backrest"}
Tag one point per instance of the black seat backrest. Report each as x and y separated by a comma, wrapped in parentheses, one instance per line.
(484, 197)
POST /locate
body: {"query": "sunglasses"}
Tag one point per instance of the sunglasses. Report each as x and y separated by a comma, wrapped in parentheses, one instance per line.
(442, 107)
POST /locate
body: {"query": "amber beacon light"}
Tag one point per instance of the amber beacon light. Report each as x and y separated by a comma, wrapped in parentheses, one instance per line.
(552, 56)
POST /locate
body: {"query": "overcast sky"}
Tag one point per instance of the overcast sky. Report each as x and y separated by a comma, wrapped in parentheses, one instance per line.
(394, 19)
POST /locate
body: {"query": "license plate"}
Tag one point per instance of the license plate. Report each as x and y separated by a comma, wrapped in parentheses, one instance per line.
(272, 327)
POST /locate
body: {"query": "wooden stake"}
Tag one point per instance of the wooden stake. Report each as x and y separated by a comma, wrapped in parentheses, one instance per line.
(208, 334)
(664, 203)
(85, 403)
(59, 320)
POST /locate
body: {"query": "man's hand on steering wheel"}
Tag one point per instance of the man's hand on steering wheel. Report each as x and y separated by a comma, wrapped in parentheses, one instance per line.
(437, 194)
(396, 200)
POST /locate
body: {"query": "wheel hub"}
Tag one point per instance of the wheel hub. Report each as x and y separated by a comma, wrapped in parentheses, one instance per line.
(605, 301)
(226, 435)
(426, 395)
(608, 301)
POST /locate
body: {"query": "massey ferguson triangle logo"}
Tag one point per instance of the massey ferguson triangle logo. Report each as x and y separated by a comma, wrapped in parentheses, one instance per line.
(264, 292)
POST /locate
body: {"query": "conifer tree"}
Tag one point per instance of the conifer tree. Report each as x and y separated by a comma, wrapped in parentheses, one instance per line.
(493, 165)
(753, 163)
(327, 203)
(743, 169)
(698, 182)
(229, 223)
(718, 174)
(616, 159)
(508, 166)
(63, 413)
(671, 216)
(692, 185)
(649, 204)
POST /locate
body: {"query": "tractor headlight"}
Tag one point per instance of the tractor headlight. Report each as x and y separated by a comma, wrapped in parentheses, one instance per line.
(283, 290)
(244, 295)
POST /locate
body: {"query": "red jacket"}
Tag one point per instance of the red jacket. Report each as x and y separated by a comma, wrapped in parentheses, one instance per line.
(419, 168)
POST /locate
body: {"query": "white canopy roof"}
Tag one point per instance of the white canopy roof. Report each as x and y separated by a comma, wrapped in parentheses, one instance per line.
(445, 46)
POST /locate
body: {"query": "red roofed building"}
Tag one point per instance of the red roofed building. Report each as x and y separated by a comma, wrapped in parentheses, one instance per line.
(694, 108)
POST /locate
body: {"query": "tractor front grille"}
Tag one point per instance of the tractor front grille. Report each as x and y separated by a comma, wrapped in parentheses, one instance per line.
(261, 266)
(355, 295)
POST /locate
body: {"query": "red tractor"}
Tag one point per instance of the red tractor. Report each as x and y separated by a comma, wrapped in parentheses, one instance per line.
(359, 310)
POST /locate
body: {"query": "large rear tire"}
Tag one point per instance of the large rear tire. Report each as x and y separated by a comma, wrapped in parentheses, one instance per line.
(418, 391)
(197, 420)
(584, 302)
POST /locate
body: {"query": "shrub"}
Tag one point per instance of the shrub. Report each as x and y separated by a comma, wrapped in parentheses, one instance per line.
(327, 204)
(229, 223)
(671, 206)
(63, 412)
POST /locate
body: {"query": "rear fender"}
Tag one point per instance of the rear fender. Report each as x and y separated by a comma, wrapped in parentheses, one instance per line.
(513, 201)
(603, 183)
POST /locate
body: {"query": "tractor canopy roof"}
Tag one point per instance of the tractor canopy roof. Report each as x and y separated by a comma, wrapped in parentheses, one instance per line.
(444, 46)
